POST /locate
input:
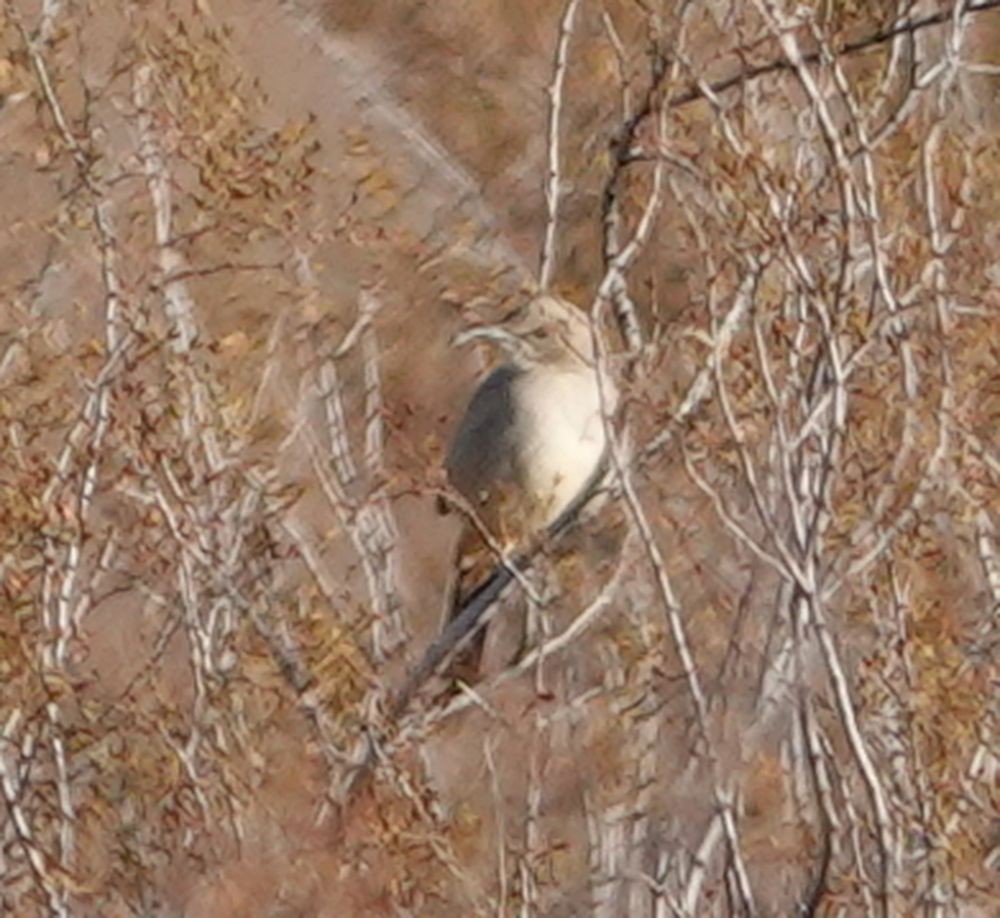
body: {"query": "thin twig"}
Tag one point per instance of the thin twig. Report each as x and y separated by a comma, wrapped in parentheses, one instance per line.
(552, 180)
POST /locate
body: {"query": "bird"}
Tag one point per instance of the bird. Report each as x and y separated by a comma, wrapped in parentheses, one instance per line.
(531, 443)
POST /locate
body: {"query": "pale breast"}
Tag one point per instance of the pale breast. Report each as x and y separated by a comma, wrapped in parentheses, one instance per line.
(561, 435)
(529, 442)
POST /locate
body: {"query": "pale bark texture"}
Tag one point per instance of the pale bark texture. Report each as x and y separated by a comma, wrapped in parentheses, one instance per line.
(761, 672)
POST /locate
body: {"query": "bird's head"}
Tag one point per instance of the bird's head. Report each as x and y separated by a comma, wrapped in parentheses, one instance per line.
(546, 329)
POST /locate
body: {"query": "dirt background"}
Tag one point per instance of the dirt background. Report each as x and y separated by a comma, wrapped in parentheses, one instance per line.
(220, 548)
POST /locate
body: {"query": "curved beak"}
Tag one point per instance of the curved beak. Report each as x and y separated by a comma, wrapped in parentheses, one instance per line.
(495, 334)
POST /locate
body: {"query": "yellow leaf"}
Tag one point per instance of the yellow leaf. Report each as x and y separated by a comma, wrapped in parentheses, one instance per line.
(6, 74)
(236, 343)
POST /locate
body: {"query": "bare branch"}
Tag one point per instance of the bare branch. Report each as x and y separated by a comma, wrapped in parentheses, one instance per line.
(552, 176)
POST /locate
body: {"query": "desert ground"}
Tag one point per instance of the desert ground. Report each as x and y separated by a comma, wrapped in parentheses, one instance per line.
(761, 672)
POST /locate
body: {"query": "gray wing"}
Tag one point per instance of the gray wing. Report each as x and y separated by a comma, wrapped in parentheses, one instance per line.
(482, 453)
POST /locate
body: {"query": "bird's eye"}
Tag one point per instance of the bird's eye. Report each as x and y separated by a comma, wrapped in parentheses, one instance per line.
(539, 333)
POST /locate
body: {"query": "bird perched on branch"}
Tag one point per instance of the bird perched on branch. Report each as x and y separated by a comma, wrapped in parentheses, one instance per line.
(531, 442)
